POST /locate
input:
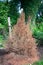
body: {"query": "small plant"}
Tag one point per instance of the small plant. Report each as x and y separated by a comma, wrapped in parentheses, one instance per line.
(37, 31)
(38, 63)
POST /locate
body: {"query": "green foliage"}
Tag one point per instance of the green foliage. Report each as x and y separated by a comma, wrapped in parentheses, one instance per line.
(1, 26)
(8, 9)
(13, 13)
(38, 32)
(30, 7)
(38, 63)
(1, 38)
(37, 28)
(1, 41)
(4, 14)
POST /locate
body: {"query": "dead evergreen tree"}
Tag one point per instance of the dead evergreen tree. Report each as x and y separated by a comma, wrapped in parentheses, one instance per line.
(22, 42)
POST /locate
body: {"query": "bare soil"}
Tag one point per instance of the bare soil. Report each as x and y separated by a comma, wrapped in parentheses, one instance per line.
(40, 49)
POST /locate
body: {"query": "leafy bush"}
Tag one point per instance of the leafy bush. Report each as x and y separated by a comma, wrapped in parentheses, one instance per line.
(1, 41)
(37, 31)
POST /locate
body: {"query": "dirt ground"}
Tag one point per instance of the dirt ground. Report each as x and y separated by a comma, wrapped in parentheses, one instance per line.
(40, 49)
